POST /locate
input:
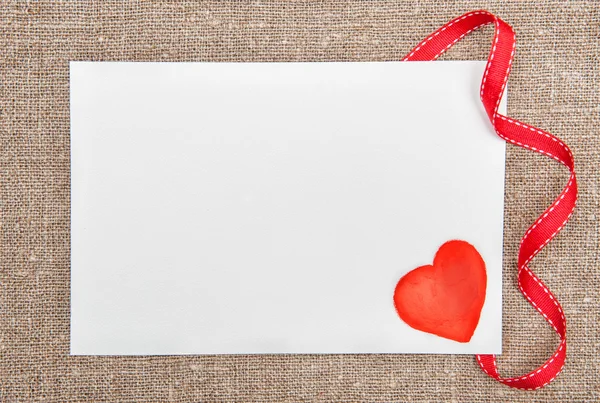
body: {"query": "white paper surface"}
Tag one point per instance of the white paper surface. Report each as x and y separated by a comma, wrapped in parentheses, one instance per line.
(225, 208)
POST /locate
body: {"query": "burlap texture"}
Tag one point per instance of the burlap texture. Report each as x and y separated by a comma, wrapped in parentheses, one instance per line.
(554, 85)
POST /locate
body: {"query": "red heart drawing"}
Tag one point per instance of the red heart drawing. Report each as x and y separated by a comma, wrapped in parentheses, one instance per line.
(445, 298)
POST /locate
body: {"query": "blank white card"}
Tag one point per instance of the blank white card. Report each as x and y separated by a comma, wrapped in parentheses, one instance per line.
(235, 208)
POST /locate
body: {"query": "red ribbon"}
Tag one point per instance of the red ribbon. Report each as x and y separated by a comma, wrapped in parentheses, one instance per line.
(554, 218)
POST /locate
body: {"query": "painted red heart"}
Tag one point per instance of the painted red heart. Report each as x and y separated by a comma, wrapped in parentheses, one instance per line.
(445, 298)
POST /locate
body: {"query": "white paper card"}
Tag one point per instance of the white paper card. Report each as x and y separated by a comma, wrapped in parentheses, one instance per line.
(233, 208)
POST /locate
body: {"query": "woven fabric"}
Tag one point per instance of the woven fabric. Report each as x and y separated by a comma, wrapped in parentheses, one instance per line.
(554, 85)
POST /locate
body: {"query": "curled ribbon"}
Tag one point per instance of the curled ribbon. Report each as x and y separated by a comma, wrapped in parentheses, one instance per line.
(545, 228)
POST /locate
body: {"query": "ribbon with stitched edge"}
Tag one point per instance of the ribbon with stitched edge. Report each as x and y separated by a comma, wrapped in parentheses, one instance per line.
(554, 218)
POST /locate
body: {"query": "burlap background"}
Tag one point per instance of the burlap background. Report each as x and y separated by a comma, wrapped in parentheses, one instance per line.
(555, 85)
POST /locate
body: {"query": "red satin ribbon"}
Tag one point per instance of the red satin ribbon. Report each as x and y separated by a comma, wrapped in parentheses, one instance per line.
(554, 218)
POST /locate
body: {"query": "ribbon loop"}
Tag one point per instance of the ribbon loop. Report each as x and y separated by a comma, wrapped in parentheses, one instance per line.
(545, 228)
